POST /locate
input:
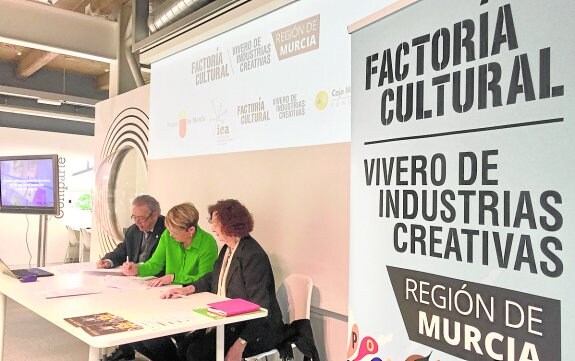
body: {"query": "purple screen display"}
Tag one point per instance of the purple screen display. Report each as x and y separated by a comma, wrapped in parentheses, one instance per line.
(27, 182)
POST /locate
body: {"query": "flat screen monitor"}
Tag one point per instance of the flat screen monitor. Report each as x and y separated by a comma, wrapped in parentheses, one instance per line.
(29, 184)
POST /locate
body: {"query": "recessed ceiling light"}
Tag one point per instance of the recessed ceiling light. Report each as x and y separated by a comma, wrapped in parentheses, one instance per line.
(19, 53)
(49, 101)
(106, 70)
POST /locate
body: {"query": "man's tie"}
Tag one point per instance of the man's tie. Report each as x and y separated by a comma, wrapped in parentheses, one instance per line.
(146, 246)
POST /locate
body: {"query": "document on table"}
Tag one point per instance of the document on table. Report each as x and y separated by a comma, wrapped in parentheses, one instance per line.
(73, 291)
(173, 319)
(104, 271)
(126, 282)
(102, 324)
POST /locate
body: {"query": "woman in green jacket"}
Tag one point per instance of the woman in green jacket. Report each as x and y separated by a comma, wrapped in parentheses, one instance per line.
(185, 251)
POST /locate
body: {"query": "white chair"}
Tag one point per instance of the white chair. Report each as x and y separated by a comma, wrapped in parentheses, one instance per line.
(72, 253)
(298, 289)
(85, 239)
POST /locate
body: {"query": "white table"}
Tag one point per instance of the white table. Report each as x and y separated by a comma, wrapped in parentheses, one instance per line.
(132, 304)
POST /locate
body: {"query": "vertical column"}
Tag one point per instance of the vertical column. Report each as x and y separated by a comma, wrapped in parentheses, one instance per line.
(220, 343)
(2, 323)
(42, 232)
(94, 354)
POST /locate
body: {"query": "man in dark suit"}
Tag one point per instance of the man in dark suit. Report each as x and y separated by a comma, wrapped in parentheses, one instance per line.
(141, 238)
(139, 244)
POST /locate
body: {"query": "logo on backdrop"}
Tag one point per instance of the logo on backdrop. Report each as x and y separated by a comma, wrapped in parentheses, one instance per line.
(368, 346)
(474, 321)
(410, 205)
(321, 100)
(254, 112)
(210, 68)
(223, 129)
(252, 54)
(289, 106)
(184, 122)
(480, 86)
(182, 125)
(298, 38)
(342, 97)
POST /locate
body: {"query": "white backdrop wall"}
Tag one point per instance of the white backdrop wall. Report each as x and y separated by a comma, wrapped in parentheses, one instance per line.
(262, 114)
(279, 81)
(18, 232)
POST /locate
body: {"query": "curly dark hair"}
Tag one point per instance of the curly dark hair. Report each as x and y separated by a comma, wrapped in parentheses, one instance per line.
(234, 217)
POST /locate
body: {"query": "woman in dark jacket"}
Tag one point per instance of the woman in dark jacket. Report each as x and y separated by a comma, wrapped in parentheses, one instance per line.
(242, 270)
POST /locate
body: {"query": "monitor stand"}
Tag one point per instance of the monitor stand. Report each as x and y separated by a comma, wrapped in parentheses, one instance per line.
(42, 232)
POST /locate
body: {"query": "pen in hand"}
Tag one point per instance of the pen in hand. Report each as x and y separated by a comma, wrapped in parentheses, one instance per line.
(130, 269)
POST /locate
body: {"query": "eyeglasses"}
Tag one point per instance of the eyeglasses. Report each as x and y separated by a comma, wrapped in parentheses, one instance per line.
(141, 218)
(210, 220)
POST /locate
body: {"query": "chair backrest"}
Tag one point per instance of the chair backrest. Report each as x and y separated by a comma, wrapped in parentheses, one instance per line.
(86, 237)
(72, 236)
(298, 289)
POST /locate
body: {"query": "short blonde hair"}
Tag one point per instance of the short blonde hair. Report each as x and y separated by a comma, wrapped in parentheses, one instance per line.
(182, 216)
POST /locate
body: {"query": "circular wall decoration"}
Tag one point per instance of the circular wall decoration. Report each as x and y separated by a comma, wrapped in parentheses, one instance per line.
(121, 174)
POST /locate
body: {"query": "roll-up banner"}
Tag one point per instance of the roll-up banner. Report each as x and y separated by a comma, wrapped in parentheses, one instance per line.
(462, 192)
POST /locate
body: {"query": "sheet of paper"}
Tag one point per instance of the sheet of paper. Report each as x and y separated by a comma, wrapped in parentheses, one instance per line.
(104, 271)
(167, 320)
(125, 282)
(73, 291)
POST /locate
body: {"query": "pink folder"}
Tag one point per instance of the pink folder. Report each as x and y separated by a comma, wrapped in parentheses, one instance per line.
(235, 306)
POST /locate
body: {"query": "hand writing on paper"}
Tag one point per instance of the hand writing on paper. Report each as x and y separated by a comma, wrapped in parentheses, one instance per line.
(129, 269)
(164, 280)
(179, 292)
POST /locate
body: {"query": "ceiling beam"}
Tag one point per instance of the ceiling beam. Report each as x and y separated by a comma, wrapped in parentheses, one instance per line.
(44, 113)
(37, 94)
(32, 24)
(32, 61)
(107, 6)
(78, 6)
(103, 82)
(74, 6)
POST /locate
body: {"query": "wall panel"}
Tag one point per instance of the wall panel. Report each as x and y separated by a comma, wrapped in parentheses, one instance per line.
(299, 198)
